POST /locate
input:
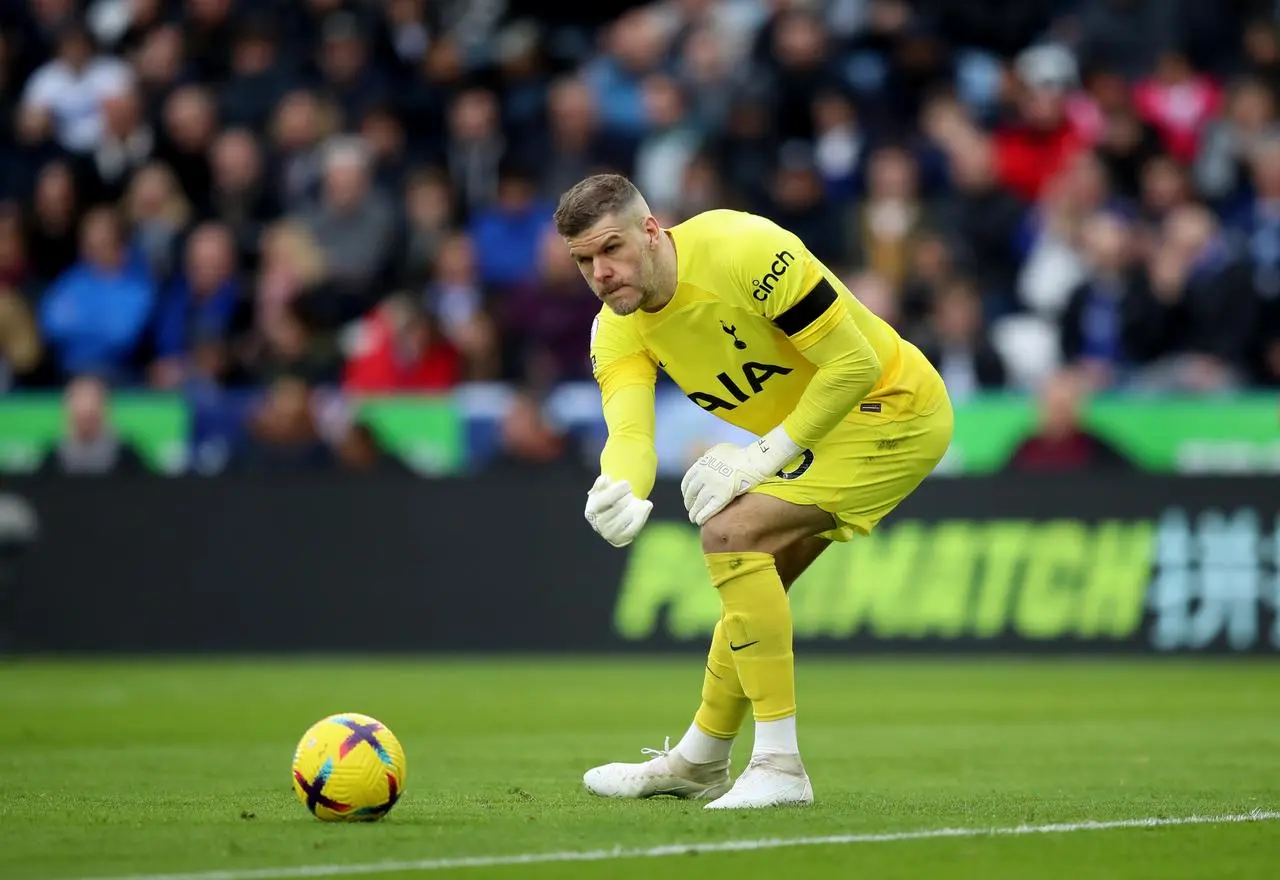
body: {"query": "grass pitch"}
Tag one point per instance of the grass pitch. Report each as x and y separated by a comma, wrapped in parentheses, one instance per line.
(114, 769)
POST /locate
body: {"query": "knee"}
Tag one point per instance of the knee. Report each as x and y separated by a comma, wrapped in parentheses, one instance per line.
(728, 533)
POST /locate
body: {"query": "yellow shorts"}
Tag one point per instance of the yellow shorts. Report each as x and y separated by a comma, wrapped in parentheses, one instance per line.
(875, 458)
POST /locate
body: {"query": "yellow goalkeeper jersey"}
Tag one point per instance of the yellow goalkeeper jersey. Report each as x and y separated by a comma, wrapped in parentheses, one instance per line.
(751, 308)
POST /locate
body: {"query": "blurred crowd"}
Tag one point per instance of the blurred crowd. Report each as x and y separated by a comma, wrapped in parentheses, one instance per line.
(356, 194)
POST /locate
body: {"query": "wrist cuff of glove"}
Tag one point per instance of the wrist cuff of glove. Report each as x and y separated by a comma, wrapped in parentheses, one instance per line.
(772, 451)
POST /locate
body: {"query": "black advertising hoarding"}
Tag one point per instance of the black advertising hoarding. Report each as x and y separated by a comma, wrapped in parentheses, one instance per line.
(490, 564)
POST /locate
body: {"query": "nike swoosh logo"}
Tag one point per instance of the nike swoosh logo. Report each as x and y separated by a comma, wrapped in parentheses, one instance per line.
(733, 647)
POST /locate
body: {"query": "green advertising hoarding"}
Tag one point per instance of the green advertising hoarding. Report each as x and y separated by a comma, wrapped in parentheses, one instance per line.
(1162, 434)
(1211, 434)
(157, 425)
(426, 433)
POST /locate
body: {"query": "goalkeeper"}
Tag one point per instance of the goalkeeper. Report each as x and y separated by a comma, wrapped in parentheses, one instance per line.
(850, 419)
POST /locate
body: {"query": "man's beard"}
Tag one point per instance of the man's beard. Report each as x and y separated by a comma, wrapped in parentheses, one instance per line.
(643, 286)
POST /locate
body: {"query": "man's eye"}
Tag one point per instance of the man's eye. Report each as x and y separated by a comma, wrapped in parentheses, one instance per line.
(611, 248)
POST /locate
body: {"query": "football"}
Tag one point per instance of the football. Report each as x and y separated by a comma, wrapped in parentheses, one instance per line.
(349, 768)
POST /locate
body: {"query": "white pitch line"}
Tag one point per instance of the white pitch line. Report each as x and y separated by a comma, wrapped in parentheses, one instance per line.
(602, 855)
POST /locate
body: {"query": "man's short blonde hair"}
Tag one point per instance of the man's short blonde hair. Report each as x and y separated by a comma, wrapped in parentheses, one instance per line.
(592, 199)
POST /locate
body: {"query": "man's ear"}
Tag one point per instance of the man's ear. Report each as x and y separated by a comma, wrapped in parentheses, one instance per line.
(652, 230)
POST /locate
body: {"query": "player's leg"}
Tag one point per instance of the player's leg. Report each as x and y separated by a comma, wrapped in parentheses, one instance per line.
(698, 767)
(795, 560)
(709, 739)
(742, 545)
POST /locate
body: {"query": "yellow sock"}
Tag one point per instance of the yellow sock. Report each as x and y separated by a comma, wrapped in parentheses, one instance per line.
(724, 705)
(757, 624)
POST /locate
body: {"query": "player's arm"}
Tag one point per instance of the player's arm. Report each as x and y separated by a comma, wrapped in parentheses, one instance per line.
(626, 394)
(805, 306)
(617, 505)
(820, 326)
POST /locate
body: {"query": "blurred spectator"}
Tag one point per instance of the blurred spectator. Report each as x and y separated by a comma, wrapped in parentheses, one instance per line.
(1125, 145)
(1061, 442)
(542, 321)
(1055, 263)
(840, 143)
(956, 342)
(383, 134)
(707, 76)
(259, 76)
(521, 71)
(353, 224)
(292, 328)
(981, 218)
(456, 295)
(888, 220)
(1112, 323)
(15, 259)
(196, 313)
(209, 32)
(473, 147)
(1222, 160)
(798, 201)
(157, 212)
(399, 347)
(746, 151)
(89, 445)
(702, 188)
(506, 233)
(159, 64)
(302, 345)
(428, 211)
(634, 47)
(668, 146)
(527, 437)
(1256, 223)
(880, 296)
(933, 264)
(21, 350)
(1178, 102)
(63, 98)
(1127, 35)
(300, 126)
(1261, 44)
(1209, 304)
(405, 37)
(796, 63)
(283, 433)
(94, 314)
(1040, 140)
(1165, 186)
(125, 146)
(190, 125)
(241, 197)
(346, 76)
(575, 143)
(51, 225)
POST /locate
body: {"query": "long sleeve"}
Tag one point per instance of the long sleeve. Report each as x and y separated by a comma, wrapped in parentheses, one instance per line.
(627, 395)
(848, 368)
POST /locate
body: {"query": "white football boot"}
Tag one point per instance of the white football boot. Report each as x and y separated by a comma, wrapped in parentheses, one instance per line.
(768, 781)
(666, 773)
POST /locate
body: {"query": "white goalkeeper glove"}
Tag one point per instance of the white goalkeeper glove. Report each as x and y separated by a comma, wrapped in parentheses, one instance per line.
(726, 471)
(615, 513)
